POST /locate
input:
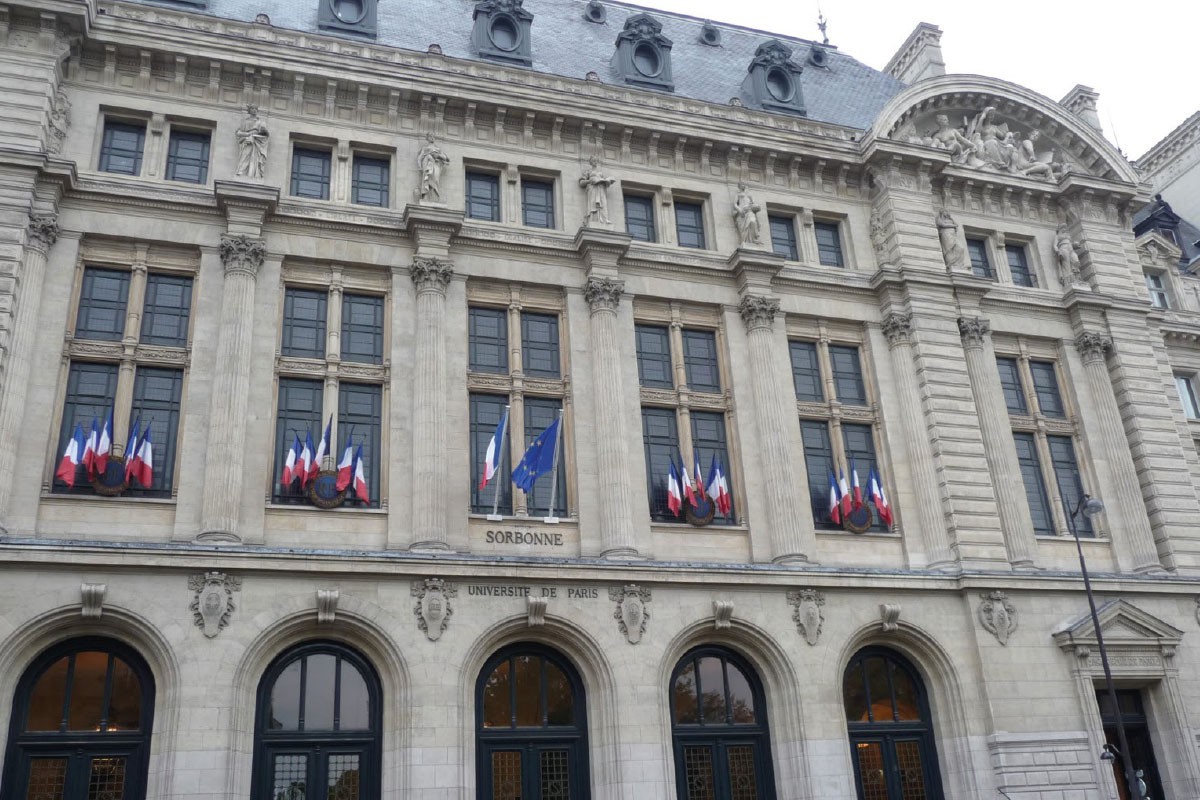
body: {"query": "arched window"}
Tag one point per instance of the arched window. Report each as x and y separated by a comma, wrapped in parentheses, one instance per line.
(531, 722)
(890, 728)
(81, 724)
(719, 727)
(318, 726)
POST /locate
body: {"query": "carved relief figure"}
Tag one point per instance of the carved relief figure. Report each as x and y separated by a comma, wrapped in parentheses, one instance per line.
(952, 250)
(1069, 272)
(60, 120)
(745, 213)
(1025, 160)
(252, 144)
(431, 161)
(596, 185)
(989, 140)
(947, 137)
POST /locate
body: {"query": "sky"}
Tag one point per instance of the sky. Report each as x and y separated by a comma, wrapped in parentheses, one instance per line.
(1145, 69)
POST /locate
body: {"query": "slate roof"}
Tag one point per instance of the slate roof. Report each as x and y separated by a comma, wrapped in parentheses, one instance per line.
(846, 92)
(1158, 214)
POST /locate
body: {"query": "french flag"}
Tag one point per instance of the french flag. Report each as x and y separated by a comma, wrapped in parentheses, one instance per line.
(345, 466)
(131, 447)
(304, 467)
(360, 478)
(290, 472)
(495, 451)
(674, 496)
(72, 456)
(718, 489)
(858, 495)
(89, 450)
(104, 446)
(844, 493)
(875, 487)
(835, 499)
(686, 479)
(322, 449)
(143, 470)
(699, 480)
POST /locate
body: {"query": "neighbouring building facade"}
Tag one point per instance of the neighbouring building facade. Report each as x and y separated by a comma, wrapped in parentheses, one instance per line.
(433, 226)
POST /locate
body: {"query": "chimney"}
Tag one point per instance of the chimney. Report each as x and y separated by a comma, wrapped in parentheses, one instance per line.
(1081, 101)
(920, 56)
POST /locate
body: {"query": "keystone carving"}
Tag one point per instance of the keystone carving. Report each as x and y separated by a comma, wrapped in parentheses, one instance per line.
(758, 312)
(603, 294)
(92, 598)
(43, 231)
(213, 604)
(998, 615)
(889, 616)
(974, 330)
(535, 611)
(1093, 346)
(433, 609)
(722, 614)
(631, 613)
(897, 328)
(806, 612)
(327, 603)
(242, 254)
(431, 274)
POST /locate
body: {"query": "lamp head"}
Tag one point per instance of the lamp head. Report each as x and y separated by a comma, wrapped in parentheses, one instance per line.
(1091, 506)
(1108, 753)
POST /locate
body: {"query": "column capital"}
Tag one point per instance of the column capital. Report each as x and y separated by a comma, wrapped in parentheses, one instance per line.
(974, 331)
(758, 312)
(43, 231)
(242, 254)
(603, 294)
(431, 275)
(1092, 346)
(897, 327)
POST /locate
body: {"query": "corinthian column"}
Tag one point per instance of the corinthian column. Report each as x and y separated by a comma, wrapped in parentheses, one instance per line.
(242, 256)
(930, 524)
(41, 235)
(616, 532)
(1133, 541)
(1011, 505)
(430, 493)
(792, 536)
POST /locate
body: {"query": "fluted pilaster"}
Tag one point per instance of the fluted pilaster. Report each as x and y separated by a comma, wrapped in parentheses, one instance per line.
(1011, 505)
(792, 534)
(242, 257)
(431, 277)
(929, 522)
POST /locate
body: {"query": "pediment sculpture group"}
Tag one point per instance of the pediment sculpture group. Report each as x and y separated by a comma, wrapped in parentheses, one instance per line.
(983, 142)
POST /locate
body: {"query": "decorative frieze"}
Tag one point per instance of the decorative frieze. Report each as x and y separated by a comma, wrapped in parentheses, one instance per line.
(213, 603)
(431, 275)
(603, 294)
(758, 312)
(974, 331)
(433, 609)
(998, 615)
(806, 612)
(242, 254)
(631, 613)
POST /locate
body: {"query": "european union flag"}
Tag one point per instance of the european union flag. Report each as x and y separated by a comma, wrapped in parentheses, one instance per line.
(538, 459)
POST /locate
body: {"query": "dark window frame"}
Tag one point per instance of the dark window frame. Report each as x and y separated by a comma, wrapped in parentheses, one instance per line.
(693, 361)
(656, 479)
(981, 260)
(658, 360)
(481, 432)
(642, 229)
(319, 323)
(198, 163)
(689, 227)
(109, 149)
(832, 251)
(351, 329)
(304, 177)
(475, 340)
(480, 207)
(88, 304)
(1021, 272)
(360, 186)
(164, 417)
(550, 350)
(783, 235)
(152, 310)
(537, 198)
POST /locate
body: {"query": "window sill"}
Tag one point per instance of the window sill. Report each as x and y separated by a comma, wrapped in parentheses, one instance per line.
(80, 498)
(519, 520)
(712, 530)
(842, 534)
(299, 507)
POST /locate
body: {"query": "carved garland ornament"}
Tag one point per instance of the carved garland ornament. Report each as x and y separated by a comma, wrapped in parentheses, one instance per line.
(431, 274)
(806, 612)
(758, 312)
(998, 615)
(433, 609)
(631, 613)
(603, 294)
(213, 604)
(242, 254)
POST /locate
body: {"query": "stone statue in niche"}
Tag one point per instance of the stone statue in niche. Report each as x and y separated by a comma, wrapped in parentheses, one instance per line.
(431, 161)
(213, 603)
(252, 138)
(1069, 273)
(952, 250)
(596, 185)
(745, 213)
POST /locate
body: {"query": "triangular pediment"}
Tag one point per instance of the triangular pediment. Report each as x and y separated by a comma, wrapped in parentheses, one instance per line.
(1154, 249)
(1123, 624)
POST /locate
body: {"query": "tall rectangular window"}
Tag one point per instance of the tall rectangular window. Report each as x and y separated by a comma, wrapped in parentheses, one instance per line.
(371, 181)
(300, 407)
(310, 173)
(91, 390)
(486, 412)
(1010, 382)
(362, 328)
(847, 375)
(708, 440)
(654, 356)
(1158, 291)
(1035, 489)
(700, 361)
(304, 323)
(537, 203)
(121, 147)
(483, 196)
(488, 339)
(660, 436)
(1188, 395)
(167, 310)
(829, 244)
(1045, 387)
(540, 413)
(783, 236)
(689, 224)
(639, 218)
(818, 460)
(981, 265)
(1070, 485)
(859, 444)
(806, 372)
(1018, 265)
(539, 345)
(102, 301)
(156, 396)
(360, 412)
(187, 156)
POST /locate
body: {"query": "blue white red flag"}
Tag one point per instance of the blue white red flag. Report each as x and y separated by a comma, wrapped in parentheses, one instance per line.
(360, 478)
(844, 492)
(322, 449)
(290, 471)
(879, 498)
(718, 487)
(304, 467)
(495, 451)
(144, 468)
(835, 499)
(131, 446)
(89, 449)
(345, 466)
(104, 445)
(858, 495)
(674, 496)
(699, 476)
(71, 458)
(685, 480)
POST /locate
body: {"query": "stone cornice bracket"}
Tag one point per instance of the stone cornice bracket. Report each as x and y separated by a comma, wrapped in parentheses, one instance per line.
(1093, 346)
(600, 249)
(92, 599)
(431, 275)
(535, 611)
(242, 254)
(245, 205)
(722, 614)
(327, 603)
(431, 227)
(897, 327)
(974, 331)
(43, 231)
(889, 617)
(758, 312)
(603, 294)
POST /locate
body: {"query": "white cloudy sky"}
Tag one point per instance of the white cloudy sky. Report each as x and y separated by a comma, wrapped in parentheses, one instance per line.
(1141, 57)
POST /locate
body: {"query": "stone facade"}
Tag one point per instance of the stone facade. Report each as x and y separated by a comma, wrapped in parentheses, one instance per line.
(1006, 237)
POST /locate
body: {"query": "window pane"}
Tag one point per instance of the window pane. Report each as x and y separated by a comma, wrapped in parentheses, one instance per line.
(156, 396)
(859, 447)
(300, 406)
(527, 672)
(486, 412)
(539, 345)
(343, 777)
(506, 775)
(1045, 386)
(854, 694)
(488, 340)
(360, 412)
(741, 698)
(1070, 486)
(355, 704)
(560, 700)
(47, 698)
(686, 701)
(1186, 385)
(1018, 265)
(497, 697)
(689, 224)
(700, 361)
(87, 691)
(310, 173)
(639, 218)
(537, 203)
(554, 774)
(187, 156)
(102, 300)
(319, 691)
(654, 356)
(167, 309)
(847, 375)
(369, 186)
(284, 713)
(121, 148)
(876, 670)
(712, 690)
(660, 437)
(106, 778)
(1035, 489)
(698, 772)
(829, 244)
(362, 328)
(708, 440)
(806, 372)
(1010, 382)
(908, 761)
(742, 777)
(783, 237)
(90, 392)
(47, 778)
(870, 769)
(540, 413)
(908, 704)
(304, 323)
(981, 265)
(483, 196)
(290, 777)
(124, 699)
(818, 460)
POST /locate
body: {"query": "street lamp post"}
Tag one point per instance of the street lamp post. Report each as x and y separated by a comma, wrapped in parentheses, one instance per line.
(1090, 507)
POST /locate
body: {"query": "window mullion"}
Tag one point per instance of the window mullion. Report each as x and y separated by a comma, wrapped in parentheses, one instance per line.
(680, 368)
(333, 319)
(516, 402)
(330, 401)
(123, 398)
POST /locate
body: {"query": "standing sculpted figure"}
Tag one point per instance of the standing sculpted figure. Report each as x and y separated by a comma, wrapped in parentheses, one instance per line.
(430, 161)
(252, 144)
(1069, 272)
(596, 185)
(952, 251)
(745, 213)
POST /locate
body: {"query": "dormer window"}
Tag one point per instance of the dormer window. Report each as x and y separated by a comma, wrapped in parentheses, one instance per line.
(355, 16)
(774, 79)
(643, 56)
(502, 31)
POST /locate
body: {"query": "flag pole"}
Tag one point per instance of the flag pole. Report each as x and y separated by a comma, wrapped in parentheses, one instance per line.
(495, 515)
(550, 518)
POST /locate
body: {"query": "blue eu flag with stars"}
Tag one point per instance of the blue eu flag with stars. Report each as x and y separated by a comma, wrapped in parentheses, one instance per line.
(538, 459)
